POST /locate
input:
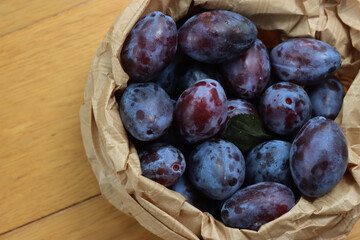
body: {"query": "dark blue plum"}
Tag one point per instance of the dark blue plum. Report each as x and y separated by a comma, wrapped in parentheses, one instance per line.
(146, 111)
(216, 36)
(326, 98)
(318, 157)
(269, 162)
(162, 163)
(285, 107)
(149, 47)
(305, 61)
(216, 168)
(248, 74)
(255, 205)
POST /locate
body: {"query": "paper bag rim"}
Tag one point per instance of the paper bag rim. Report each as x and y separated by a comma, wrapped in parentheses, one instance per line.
(103, 137)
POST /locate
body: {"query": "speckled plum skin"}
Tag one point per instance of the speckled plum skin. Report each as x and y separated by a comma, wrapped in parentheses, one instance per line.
(248, 74)
(326, 98)
(216, 168)
(146, 111)
(304, 61)
(149, 47)
(269, 162)
(162, 163)
(216, 36)
(255, 205)
(318, 157)
(285, 107)
(201, 110)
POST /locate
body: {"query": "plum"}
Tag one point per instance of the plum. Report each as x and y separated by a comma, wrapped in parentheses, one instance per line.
(162, 163)
(269, 162)
(216, 168)
(195, 71)
(318, 157)
(285, 107)
(146, 110)
(256, 205)
(216, 36)
(326, 98)
(201, 110)
(248, 74)
(149, 47)
(305, 61)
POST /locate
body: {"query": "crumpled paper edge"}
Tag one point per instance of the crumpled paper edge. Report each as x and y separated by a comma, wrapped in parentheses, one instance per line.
(116, 165)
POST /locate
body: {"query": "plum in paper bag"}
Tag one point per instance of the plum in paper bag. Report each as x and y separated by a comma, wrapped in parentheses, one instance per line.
(318, 157)
(216, 36)
(150, 46)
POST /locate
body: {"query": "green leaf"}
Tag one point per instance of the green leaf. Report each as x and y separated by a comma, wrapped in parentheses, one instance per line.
(246, 131)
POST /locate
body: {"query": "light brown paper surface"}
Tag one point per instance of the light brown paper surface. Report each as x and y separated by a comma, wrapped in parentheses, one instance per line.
(166, 213)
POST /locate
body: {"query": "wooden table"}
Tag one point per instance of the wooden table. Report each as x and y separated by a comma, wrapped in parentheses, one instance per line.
(48, 190)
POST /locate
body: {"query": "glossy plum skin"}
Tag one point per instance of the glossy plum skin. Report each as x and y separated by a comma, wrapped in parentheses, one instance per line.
(269, 162)
(255, 205)
(216, 36)
(146, 111)
(195, 71)
(238, 106)
(201, 110)
(162, 163)
(216, 168)
(192, 195)
(318, 157)
(285, 107)
(149, 47)
(248, 74)
(326, 98)
(305, 61)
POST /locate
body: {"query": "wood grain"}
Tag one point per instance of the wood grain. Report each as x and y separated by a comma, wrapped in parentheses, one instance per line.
(355, 233)
(48, 188)
(17, 14)
(44, 69)
(94, 219)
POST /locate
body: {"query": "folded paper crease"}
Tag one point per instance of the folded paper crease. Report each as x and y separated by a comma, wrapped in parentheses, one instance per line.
(165, 213)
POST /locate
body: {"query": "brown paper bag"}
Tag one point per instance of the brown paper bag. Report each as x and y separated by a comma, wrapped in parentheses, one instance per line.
(166, 213)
